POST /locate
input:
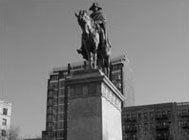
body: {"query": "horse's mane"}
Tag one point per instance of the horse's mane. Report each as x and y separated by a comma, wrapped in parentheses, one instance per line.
(93, 24)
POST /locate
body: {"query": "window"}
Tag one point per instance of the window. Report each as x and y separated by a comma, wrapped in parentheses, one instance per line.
(60, 134)
(146, 126)
(5, 110)
(49, 126)
(54, 77)
(133, 115)
(163, 113)
(50, 94)
(159, 134)
(134, 137)
(4, 122)
(165, 135)
(128, 116)
(60, 116)
(139, 116)
(55, 101)
(60, 108)
(164, 124)
(3, 133)
(49, 118)
(55, 109)
(61, 84)
(145, 116)
(53, 85)
(61, 92)
(50, 110)
(151, 115)
(169, 113)
(50, 101)
(55, 134)
(60, 125)
(151, 125)
(60, 100)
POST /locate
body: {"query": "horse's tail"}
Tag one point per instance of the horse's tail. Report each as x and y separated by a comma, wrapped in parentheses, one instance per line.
(108, 46)
(107, 39)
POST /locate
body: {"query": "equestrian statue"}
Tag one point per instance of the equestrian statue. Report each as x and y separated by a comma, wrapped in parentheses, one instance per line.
(95, 45)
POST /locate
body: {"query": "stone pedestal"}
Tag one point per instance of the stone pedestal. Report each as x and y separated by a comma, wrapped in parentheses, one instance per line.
(94, 107)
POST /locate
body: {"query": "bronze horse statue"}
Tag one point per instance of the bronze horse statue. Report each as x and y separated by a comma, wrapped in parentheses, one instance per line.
(95, 49)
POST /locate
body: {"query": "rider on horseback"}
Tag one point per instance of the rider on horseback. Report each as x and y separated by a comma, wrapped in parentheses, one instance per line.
(99, 20)
(98, 17)
(95, 46)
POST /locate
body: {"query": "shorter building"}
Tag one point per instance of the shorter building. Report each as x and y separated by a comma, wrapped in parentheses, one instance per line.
(5, 118)
(166, 121)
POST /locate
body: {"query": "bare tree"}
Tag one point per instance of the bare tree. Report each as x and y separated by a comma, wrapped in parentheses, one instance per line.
(11, 134)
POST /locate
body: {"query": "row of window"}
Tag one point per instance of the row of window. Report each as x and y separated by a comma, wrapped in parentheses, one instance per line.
(55, 101)
(147, 115)
(130, 137)
(53, 85)
(57, 117)
(54, 77)
(130, 126)
(55, 109)
(183, 123)
(183, 112)
(53, 134)
(161, 136)
(58, 138)
(56, 93)
(61, 75)
(56, 84)
(58, 134)
(58, 109)
(55, 125)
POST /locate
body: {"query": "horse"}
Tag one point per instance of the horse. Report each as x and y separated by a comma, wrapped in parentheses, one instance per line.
(90, 38)
(95, 49)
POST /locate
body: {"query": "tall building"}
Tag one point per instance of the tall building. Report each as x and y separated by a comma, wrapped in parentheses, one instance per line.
(56, 114)
(129, 86)
(166, 121)
(5, 118)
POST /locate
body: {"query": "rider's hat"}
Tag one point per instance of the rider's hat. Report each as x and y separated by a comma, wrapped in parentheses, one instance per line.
(95, 5)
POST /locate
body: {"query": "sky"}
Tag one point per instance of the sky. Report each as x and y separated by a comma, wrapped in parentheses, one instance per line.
(38, 35)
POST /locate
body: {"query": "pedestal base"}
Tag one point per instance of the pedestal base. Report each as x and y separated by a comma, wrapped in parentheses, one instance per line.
(94, 107)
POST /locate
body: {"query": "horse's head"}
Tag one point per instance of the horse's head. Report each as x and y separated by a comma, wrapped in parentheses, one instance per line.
(84, 20)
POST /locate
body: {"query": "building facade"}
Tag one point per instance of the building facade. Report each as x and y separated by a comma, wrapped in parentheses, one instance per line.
(166, 121)
(5, 118)
(57, 101)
